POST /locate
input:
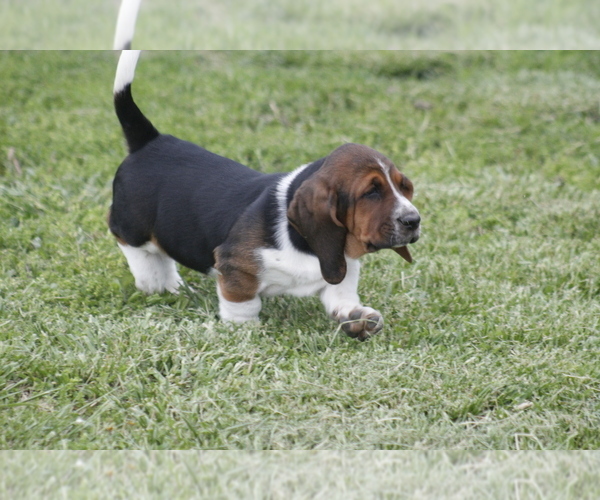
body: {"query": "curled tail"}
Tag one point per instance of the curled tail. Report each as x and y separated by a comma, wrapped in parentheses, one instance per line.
(137, 128)
(126, 24)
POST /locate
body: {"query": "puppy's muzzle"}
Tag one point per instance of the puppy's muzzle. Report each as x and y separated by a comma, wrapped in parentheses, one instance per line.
(410, 225)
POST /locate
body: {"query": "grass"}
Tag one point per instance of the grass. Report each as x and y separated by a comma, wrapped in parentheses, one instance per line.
(308, 24)
(491, 337)
(303, 474)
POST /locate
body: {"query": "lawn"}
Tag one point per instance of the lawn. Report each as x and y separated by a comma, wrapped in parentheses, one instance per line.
(492, 335)
(306, 24)
(349, 475)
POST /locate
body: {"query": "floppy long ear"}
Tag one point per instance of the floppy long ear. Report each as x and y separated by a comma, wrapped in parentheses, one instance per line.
(404, 253)
(313, 213)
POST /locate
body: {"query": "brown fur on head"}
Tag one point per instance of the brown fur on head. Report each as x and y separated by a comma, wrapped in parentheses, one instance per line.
(349, 206)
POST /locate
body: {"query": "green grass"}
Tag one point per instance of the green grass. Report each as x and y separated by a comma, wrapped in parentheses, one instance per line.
(302, 474)
(491, 337)
(307, 24)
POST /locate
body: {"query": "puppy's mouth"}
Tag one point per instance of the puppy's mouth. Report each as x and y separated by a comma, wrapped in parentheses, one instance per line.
(394, 242)
(398, 244)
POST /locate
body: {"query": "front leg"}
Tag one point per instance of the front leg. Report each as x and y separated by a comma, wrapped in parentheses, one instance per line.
(237, 311)
(343, 304)
(238, 268)
(237, 286)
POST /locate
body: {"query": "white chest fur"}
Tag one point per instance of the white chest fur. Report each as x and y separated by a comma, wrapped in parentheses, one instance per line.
(289, 271)
(285, 269)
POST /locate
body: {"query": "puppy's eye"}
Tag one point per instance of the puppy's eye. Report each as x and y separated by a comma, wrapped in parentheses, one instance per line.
(406, 187)
(373, 193)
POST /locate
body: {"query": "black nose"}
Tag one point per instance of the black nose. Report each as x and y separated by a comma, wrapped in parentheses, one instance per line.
(411, 221)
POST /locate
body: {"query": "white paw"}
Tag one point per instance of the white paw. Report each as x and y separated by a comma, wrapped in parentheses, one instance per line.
(174, 284)
(361, 322)
(238, 312)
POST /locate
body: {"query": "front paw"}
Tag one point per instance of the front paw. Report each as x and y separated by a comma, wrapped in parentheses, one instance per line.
(361, 323)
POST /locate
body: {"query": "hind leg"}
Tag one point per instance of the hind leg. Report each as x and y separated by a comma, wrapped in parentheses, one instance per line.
(154, 271)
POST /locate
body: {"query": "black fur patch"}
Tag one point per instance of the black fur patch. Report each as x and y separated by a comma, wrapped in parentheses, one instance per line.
(186, 197)
(137, 128)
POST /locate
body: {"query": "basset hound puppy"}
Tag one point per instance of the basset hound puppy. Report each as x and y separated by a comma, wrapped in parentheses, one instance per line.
(298, 233)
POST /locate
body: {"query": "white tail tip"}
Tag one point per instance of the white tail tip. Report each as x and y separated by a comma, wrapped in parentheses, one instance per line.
(126, 24)
(126, 69)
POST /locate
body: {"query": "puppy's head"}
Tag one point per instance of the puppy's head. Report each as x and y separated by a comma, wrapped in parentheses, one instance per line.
(358, 202)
